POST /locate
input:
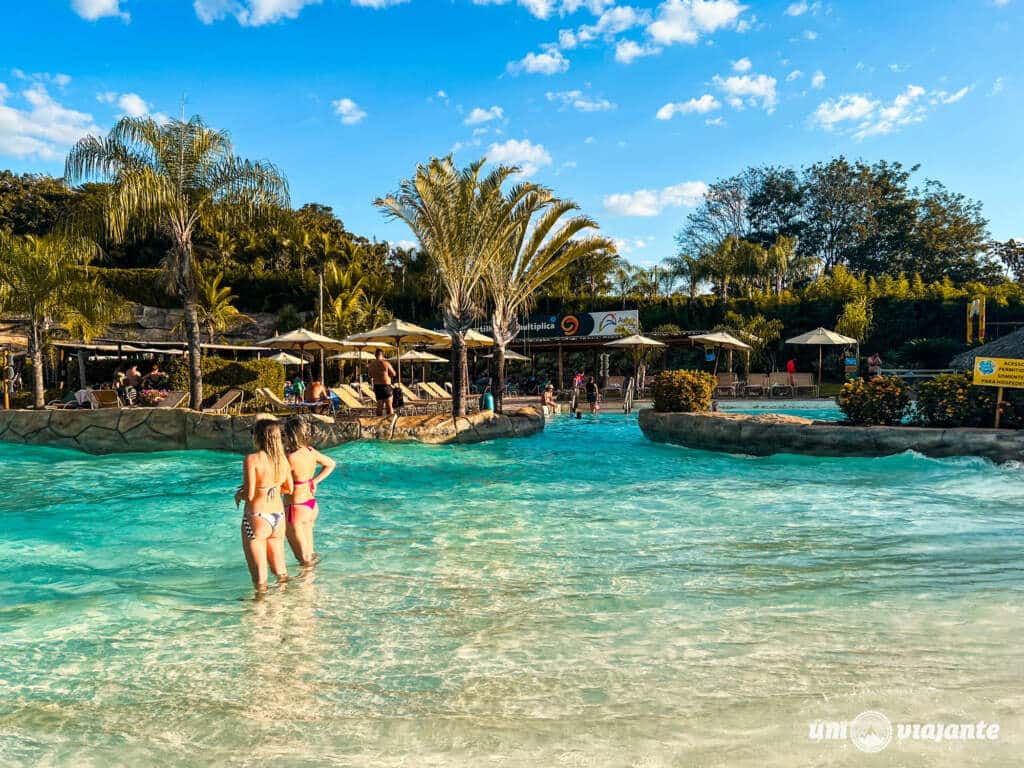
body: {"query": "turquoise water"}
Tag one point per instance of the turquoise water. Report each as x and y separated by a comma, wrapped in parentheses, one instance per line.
(822, 410)
(580, 598)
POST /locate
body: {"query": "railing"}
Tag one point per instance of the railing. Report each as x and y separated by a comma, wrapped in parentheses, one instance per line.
(629, 393)
(915, 373)
(574, 400)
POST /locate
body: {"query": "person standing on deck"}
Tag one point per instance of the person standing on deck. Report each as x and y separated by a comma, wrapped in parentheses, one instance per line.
(380, 373)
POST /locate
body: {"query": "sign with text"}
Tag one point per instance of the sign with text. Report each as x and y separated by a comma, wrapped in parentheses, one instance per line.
(578, 326)
(998, 372)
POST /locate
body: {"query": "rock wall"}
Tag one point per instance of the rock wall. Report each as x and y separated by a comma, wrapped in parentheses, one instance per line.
(768, 434)
(145, 430)
(474, 428)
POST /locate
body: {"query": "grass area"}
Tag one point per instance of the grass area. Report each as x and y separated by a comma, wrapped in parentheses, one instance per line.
(830, 390)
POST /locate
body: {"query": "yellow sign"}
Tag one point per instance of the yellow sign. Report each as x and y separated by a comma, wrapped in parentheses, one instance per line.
(998, 372)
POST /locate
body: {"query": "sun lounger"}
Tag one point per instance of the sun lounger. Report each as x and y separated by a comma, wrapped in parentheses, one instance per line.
(804, 382)
(410, 397)
(104, 398)
(727, 384)
(172, 400)
(779, 382)
(366, 391)
(756, 385)
(615, 384)
(435, 390)
(348, 399)
(225, 401)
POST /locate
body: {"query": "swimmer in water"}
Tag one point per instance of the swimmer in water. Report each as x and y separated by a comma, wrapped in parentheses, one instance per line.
(303, 509)
(266, 475)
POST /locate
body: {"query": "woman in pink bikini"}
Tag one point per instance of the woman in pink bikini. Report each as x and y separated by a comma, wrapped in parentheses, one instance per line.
(266, 477)
(303, 510)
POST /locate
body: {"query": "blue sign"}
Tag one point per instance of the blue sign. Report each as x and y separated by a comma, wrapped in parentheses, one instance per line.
(987, 367)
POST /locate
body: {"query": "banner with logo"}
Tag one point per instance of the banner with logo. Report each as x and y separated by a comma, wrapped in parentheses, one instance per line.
(579, 326)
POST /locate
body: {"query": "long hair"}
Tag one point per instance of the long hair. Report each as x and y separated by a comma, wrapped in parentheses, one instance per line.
(267, 437)
(297, 434)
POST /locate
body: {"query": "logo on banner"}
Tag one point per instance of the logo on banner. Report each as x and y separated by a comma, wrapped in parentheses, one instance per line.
(570, 325)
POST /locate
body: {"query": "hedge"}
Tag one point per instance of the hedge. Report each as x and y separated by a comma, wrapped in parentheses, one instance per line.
(949, 400)
(682, 391)
(220, 375)
(874, 401)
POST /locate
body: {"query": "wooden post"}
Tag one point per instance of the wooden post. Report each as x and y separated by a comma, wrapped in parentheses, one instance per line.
(3, 379)
(561, 377)
(999, 399)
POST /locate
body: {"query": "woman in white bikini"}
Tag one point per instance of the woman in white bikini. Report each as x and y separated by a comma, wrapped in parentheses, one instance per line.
(303, 508)
(266, 477)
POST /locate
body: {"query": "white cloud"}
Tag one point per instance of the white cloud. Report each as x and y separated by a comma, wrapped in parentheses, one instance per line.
(549, 61)
(133, 105)
(590, 140)
(796, 74)
(801, 7)
(91, 10)
(349, 112)
(579, 101)
(479, 115)
(625, 245)
(741, 65)
(44, 129)
(255, 13)
(703, 105)
(524, 153)
(627, 51)
(818, 80)
(718, 122)
(752, 90)
(810, 34)
(998, 86)
(683, 21)
(863, 116)
(648, 202)
(405, 245)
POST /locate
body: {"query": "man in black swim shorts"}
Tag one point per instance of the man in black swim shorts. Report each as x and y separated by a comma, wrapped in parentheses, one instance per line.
(380, 372)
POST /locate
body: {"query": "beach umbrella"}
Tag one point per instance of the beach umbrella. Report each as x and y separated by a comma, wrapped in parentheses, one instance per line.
(285, 359)
(301, 339)
(822, 337)
(415, 356)
(474, 340)
(723, 340)
(636, 342)
(512, 355)
(400, 332)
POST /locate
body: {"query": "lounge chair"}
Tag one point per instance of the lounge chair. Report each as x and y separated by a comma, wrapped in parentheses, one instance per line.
(411, 397)
(727, 384)
(172, 400)
(757, 384)
(348, 399)
(779, 381)
(366, 391)
(225, 401)
(426, 391)
(615, 384)
(804, 382)
(104, 398)
(436, 391)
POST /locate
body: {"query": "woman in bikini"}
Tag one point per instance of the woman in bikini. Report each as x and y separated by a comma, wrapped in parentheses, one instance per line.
(303, 509)
(266, 477)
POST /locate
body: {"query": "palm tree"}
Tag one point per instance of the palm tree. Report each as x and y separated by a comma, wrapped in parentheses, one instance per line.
(456, 217)
(541, 246)
(216, 308)
(40, 277)
(779, 257)
(176, 177)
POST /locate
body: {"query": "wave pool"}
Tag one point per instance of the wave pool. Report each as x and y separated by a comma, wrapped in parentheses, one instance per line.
(580, 598)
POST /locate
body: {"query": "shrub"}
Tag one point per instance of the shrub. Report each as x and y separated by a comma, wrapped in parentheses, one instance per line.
(682, 391)
(220, 375)
(949, 400)
(874, 401)
(929, 353)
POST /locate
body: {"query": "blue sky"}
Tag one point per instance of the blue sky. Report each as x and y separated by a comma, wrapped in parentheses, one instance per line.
(629, 109)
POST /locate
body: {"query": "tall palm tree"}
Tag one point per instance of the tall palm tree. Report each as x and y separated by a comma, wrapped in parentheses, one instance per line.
(40, 277)
(540, 246)
(456, 215)
(176, 177)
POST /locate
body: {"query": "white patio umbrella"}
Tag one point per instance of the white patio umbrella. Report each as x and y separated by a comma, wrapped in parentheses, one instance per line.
(301, 339)
(415, 356)
(364, 348)
(400, 332)
(636, 342)
(474, 340)
(512, 355)
(822, 337)
(285, 359)
(725, 341)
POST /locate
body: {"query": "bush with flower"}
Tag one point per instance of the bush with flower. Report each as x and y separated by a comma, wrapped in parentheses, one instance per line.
(878, 400)
(949, 400)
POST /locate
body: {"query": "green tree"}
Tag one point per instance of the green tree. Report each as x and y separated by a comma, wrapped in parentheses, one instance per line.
(216, 308)
(40, 279)
(855, 320)
(457, 217)
(543, 243)
(176, 177)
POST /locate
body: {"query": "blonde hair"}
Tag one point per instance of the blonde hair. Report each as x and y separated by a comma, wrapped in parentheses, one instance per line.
(267, 437)
(296, 434)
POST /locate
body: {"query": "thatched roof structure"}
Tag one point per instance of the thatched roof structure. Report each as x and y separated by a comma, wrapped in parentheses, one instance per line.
(1011, 345)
